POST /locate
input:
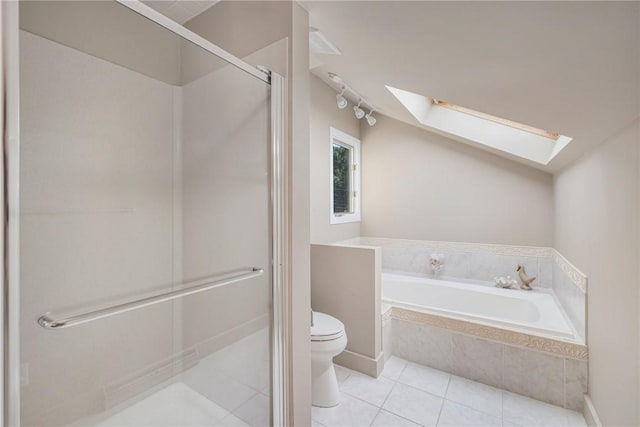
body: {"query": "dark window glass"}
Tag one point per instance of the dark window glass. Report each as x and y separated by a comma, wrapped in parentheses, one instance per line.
(341, 179)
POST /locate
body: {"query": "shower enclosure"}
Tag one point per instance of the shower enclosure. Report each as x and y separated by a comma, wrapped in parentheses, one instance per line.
(144, 199)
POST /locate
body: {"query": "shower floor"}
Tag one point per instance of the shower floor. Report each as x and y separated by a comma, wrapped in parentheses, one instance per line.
(230, 387)
(174, 405)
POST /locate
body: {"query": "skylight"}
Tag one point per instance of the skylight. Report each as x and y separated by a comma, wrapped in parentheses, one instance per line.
(476, 128)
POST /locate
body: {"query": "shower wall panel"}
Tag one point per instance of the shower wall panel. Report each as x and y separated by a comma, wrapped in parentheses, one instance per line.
(96, 223)
(225, 204)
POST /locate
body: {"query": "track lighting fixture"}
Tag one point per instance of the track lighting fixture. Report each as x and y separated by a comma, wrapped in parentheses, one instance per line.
(359, 112)
(342, 101)
(357, 109)
(370, 119)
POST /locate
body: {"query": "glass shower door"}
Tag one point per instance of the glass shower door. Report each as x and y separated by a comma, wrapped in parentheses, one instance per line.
(144, 225)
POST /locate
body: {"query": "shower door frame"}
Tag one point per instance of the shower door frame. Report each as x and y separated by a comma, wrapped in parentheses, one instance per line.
(9, 199)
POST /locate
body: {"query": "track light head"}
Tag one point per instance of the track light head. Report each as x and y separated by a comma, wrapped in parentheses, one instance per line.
(370, 119)
(359, 112)
(336, 78)
(342, 101)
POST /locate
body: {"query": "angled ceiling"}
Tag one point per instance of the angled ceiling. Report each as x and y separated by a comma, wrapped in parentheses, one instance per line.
(566, 67)
(180, 10)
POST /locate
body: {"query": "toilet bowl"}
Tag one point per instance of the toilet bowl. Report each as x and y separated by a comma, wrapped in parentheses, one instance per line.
(328, 339)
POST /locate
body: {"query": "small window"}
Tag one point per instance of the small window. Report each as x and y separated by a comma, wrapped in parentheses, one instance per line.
(345, 177)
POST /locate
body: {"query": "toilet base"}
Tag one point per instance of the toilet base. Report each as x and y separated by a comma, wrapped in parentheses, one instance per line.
(325, 392)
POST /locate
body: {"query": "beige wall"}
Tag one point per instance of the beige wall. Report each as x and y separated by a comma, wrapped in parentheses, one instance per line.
(324, 115)
(300, 356)
(419, 185)
(346, 284)
(596, 228)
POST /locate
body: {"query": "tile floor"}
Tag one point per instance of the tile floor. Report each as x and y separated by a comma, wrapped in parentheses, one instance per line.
(407, 394)
(220, 391)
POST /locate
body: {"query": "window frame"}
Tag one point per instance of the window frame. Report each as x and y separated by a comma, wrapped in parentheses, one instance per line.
(351, 142)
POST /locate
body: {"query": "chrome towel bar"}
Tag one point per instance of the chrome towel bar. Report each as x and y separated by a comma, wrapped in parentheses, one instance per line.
(50, 321)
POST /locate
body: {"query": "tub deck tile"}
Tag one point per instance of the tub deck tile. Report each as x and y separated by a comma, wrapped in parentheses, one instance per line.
(477, 359)
(504, 336)
(533, 374)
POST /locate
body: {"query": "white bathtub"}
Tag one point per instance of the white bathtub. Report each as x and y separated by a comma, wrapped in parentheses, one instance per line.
(533, 312)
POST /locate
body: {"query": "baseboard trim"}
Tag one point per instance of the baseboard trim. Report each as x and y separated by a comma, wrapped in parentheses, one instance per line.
(590, 414)
(361, 363)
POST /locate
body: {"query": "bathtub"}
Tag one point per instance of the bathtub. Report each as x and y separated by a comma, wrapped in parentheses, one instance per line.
(532, 312)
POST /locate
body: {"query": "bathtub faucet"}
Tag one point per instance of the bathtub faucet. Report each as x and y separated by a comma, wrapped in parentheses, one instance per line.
(436, 262)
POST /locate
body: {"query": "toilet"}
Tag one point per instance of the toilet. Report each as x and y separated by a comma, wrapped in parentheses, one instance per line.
(328, 339)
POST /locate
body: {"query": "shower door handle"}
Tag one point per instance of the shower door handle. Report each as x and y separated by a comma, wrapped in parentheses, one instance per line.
(51, 321)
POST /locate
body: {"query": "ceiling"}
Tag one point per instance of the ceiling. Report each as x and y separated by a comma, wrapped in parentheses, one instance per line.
(180, 10)
(566, 67)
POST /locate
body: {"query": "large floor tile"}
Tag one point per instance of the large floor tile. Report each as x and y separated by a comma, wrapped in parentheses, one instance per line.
(456, 415)
(475, 395)
(342, 373)
(350, 412)
(416, 405)
(393, 368)
(387, 419)
(426, 379)
(371, 390)
(524, 412)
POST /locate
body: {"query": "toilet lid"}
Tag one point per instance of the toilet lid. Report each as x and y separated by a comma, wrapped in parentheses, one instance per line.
(325, 327)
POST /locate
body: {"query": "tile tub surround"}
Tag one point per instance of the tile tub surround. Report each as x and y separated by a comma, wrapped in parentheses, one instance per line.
(570, 287)
(408, 394)
(483, 262)
(387, 332)
(471, 261)
(558, 379)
